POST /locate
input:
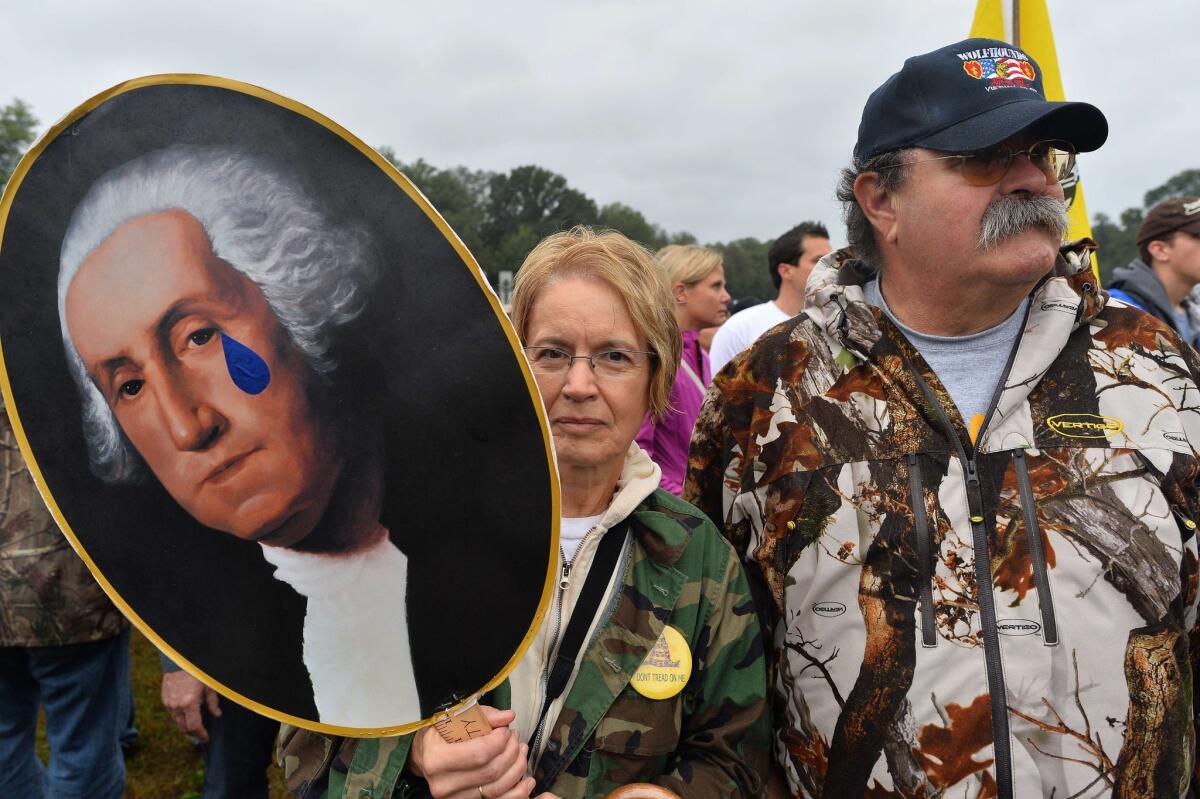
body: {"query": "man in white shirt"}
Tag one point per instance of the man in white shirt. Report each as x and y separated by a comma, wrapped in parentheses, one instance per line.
(791, 260)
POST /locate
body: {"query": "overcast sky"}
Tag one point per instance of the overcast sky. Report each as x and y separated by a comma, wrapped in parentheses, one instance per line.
(726, 119)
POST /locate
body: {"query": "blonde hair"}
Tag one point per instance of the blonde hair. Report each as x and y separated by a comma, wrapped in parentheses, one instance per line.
(626, 266)
(687, 263)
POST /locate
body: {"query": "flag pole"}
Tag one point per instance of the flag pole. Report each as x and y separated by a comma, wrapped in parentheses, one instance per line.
(1016, 23)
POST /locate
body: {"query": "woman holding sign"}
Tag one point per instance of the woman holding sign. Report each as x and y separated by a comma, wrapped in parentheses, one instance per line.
(647, 667)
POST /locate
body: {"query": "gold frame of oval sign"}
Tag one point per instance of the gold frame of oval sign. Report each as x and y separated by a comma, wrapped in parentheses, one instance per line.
(468, 260)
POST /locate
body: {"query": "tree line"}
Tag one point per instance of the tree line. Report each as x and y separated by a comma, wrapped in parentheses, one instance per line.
(500, 216)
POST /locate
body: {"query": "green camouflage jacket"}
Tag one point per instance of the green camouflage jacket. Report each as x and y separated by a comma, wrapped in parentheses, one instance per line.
(711, 740)
(47, 595)
(842, 470)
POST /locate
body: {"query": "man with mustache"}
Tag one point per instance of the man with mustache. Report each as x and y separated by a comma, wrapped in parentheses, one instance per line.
(964, 483)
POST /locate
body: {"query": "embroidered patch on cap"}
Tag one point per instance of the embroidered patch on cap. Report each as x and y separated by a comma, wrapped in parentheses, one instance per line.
(999, 66)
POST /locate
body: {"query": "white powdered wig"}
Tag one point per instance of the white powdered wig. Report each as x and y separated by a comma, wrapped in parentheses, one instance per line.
(314, 275)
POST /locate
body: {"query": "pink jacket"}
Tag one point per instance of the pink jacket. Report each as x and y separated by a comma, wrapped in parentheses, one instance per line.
(666, 441)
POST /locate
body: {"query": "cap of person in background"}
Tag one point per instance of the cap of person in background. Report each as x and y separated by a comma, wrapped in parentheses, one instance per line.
(1169, 216)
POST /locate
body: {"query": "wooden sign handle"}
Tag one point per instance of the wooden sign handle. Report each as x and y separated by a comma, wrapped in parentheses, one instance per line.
(467, 723)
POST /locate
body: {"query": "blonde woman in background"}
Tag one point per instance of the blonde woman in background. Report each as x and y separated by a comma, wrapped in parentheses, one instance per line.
(696, 277)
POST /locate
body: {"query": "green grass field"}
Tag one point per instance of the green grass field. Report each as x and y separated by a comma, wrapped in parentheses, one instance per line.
(165, 765)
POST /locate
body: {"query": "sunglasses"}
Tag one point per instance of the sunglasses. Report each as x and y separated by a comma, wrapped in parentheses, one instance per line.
(1055, 158)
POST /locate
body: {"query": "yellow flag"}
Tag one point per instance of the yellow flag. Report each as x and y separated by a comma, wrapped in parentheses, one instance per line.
(994, 20)
(989, 21)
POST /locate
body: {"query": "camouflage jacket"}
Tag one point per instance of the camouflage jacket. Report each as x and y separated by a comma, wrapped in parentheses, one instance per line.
(843, 472)
(711, 740)
(47, 595)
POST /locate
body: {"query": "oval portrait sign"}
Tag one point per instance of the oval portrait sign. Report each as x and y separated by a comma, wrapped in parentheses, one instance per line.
(268, 396)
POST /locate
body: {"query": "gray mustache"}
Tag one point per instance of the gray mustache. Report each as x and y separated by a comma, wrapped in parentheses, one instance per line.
(1012, 214)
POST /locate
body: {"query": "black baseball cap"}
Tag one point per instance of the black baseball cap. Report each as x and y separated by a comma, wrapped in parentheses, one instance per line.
(971, 95)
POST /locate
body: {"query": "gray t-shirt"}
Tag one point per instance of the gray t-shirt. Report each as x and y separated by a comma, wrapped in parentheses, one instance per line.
(968, 366)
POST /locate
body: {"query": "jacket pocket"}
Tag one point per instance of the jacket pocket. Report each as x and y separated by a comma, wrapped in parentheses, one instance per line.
(636, 726)
(924, 551)
(1037, 553)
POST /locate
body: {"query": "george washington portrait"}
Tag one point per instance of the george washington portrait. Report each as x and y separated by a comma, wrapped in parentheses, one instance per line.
(295, 431)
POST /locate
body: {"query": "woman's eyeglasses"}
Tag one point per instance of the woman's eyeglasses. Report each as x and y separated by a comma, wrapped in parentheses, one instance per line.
(606, 363)
(1055, 158)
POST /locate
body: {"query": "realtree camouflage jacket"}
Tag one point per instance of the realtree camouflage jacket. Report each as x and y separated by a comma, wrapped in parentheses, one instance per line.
(47, 595)
(843, 472)
(711, 740)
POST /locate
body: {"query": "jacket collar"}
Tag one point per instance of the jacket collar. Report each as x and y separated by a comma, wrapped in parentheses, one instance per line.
(663, 538)
(1140, 280)
(639, 478)
(1067, 298)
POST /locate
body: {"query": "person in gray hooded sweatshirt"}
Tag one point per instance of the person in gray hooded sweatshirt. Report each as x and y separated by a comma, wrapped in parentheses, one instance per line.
(1161, 280)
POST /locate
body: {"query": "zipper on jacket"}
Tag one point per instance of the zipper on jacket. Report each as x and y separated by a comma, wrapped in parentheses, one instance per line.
(607, 611)
(924, 552)
(1037, 553)
(997, 691)
(564, 582)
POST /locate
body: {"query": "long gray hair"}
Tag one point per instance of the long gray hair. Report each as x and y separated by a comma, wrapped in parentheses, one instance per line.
(315, 276)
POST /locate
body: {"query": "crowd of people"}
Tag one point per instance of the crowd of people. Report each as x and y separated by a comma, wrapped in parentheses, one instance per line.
(923, 523)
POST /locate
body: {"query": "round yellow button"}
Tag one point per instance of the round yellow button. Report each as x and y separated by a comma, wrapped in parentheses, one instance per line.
(666, 669)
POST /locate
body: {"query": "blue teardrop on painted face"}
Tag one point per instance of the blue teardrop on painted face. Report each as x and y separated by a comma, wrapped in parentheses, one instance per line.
(250, 373)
